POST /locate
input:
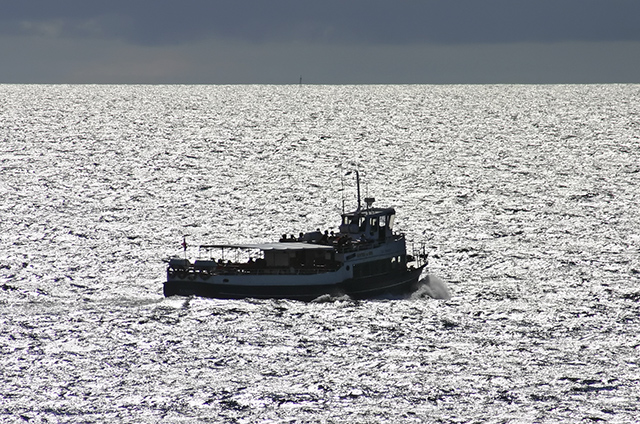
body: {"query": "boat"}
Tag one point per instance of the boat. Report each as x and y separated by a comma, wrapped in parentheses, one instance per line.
(365, 259)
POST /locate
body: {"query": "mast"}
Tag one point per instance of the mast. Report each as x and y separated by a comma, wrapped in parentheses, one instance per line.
(358, 184)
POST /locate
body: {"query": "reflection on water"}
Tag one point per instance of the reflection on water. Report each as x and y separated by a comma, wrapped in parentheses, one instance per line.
(526, 195)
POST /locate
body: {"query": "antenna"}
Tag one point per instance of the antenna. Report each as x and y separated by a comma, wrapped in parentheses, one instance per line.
(342, 188)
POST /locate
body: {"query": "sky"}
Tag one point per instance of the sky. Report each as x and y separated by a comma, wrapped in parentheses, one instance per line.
(322, 41)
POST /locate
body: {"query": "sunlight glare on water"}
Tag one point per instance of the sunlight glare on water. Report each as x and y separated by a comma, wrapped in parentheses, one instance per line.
(527, 197)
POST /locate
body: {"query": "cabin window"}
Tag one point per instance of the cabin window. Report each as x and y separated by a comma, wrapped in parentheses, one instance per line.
(348, 220)
(277, 258)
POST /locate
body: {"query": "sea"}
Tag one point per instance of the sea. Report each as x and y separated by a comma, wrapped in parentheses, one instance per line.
(525, 196)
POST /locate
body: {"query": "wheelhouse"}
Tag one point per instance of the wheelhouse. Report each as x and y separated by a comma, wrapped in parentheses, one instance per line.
(369, 224)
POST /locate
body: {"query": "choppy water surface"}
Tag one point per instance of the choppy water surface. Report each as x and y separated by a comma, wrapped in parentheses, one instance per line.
(526, 195)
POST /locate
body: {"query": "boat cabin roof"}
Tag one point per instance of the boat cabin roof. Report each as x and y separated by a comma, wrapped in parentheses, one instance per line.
(372, 212)
(270, 246)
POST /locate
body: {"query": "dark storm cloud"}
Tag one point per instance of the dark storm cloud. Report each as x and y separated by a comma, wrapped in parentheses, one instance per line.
(162, 22)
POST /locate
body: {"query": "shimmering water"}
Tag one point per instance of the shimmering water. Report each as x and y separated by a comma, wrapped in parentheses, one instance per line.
(527, 196)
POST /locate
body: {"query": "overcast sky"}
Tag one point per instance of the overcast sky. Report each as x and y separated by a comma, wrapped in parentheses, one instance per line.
(324, 41)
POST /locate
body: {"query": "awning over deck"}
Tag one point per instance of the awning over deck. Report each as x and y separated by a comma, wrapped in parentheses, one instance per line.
(270, 246)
